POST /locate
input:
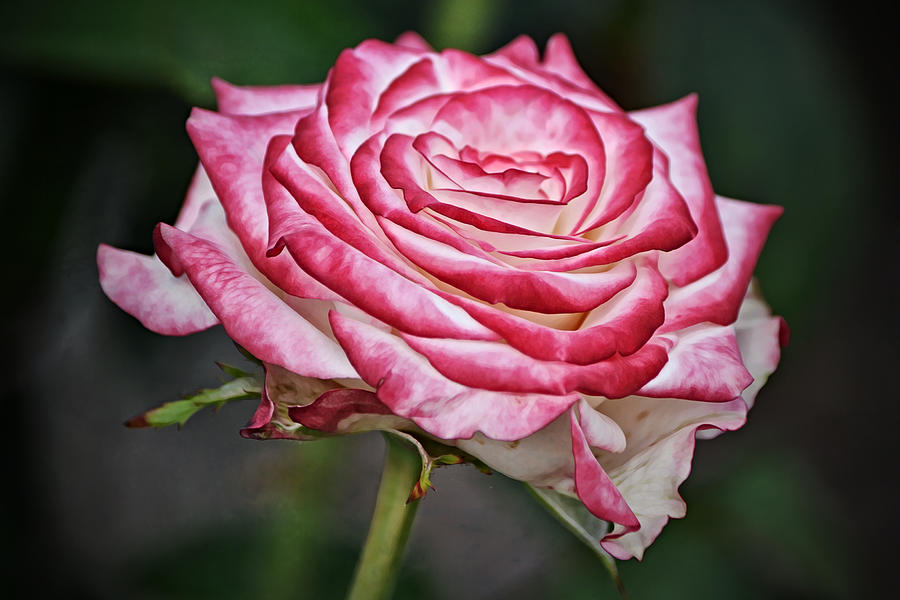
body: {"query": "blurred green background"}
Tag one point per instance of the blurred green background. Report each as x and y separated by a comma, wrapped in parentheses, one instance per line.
(796, 108)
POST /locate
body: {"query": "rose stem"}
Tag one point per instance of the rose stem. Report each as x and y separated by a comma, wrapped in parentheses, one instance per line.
(376, 571)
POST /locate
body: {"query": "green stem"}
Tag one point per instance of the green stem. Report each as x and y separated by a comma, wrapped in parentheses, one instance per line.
(376, 571)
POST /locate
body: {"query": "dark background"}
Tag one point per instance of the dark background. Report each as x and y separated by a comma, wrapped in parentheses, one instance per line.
(797, 108)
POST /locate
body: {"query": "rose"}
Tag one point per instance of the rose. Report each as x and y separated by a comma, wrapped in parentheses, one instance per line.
(484, 250)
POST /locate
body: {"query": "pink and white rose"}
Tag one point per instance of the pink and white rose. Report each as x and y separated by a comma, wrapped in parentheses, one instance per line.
(484, 250)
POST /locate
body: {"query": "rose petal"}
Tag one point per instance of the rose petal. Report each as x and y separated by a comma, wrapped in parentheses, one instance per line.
(673, 127)
(500, 367)
(233, 150)
(144, 287)
(760, 337)
(252, 315)
(417, 82)
(413, 40)
(356, 82)
(413, 389)
(657, 459)
(599, 430)
(522, 51)
(593, 486)
(544, 292)
(507, 119)
(622, 325)
(258, 100)
(660, 220)
(629, 168)
(717, 296)
(520, 59)
(704, 364)
(297, 197)
(560, 59)
(378, 290)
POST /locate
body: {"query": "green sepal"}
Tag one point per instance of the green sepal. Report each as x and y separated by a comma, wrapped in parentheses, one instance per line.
(433, 454)
(232, 371)
(179, 411)
(246, 354)
(572, 513)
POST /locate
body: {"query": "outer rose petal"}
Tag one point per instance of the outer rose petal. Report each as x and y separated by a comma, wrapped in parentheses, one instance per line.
(559, 59)
(259, 100)
(594, 486)
(413, 389)
(253, 315)
(660, 434)
(559, 457)
(760, 337)
(674, 129)
(413, 40)
(144, 287)
(704, 364)
(500, 367)
(717, 296)
(233, 151)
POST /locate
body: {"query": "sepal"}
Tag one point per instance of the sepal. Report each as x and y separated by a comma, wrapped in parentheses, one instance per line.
(179, 411)
(433, 454)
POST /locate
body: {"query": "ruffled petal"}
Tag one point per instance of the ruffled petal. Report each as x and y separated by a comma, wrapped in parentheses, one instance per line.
(760, 337)
(545, 292)
(592, 484)
(660, 434)
(413, 40)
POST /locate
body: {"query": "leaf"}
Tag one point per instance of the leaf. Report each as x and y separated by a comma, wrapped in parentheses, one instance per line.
(586, 527)
(179, 411)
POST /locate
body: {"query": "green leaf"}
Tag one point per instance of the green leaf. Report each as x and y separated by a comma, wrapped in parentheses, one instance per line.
(179, 411)
(579, 520)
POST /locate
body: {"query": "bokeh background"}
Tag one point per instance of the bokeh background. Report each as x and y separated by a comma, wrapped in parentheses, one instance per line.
(797, 108)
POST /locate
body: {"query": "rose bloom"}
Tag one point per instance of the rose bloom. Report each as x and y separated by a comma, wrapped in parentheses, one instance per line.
(484, 250)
